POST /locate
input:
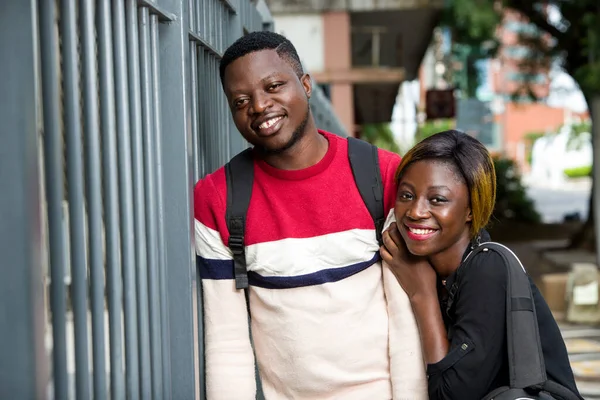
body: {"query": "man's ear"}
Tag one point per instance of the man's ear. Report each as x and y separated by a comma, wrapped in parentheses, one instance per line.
(306, 81)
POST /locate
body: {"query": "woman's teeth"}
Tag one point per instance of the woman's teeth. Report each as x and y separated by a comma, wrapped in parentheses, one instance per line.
(421, 231)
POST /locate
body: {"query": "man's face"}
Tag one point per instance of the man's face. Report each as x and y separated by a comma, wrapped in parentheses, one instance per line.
(267, 99)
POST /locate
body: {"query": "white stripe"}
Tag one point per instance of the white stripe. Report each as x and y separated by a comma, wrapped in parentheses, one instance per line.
(293, 257)
(209, 243)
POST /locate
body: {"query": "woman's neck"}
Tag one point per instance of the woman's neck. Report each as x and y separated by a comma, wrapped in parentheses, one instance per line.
(448, 261)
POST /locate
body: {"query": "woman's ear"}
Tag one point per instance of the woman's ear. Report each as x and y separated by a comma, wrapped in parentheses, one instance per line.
(469, 215)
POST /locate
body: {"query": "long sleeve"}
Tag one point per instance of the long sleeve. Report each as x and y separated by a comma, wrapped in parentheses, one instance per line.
(407, 367)
(477, 357)
(230, 372)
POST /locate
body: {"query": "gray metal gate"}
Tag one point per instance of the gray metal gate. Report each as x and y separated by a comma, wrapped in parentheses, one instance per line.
(111, 111)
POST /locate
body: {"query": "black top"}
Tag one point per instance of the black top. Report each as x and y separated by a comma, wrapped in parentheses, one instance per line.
(477, 360)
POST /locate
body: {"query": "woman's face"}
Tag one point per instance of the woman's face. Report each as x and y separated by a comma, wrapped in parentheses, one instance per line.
(432, 208)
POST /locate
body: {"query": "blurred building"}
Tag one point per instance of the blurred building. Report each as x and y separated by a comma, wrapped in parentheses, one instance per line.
(359, 51)
(516, 115)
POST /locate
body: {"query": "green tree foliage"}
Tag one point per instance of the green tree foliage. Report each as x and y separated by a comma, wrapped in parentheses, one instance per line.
(512, 202)
(430, 128)
(381, 136)
(572, 40)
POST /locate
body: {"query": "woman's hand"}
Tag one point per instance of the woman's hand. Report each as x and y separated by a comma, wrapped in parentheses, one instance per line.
(418, 279)
(416, 276)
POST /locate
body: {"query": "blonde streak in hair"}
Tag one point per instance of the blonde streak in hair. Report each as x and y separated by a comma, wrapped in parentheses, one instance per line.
(481, 202)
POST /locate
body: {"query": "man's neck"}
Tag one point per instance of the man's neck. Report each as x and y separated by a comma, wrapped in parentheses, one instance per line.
(309, 150)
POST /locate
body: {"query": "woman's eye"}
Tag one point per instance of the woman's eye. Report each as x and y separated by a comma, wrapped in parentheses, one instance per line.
(438, 200)
(405, 196)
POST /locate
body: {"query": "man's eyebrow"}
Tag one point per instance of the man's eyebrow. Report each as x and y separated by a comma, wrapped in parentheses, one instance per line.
(272, 75)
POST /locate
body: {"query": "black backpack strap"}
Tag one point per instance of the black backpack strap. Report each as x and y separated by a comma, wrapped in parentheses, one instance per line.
(364, 161)
(239, 174)
(525, 357)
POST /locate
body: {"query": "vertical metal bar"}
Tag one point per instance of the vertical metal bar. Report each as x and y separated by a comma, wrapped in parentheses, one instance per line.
(53, 166)
(596, 173)
(135, 118)
(201, 161)
(162, 281)
(204, 18)
(114, 285)
(201, 142)
(177, 180)
(126, 202)
(94, 195)
(23, 365)
(213, 118)
(77, 232)
(194, 98)
(151, 207)
(198, 15)
(210, 22)
(191, 15)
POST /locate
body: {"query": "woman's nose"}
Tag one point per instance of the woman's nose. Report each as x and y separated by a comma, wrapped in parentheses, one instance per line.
(418, 210)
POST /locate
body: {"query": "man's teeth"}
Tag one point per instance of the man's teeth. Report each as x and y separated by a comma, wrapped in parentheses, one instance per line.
(269, 123)
(421, 231)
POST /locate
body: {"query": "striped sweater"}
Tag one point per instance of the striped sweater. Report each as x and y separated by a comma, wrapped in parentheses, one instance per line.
(328, 322)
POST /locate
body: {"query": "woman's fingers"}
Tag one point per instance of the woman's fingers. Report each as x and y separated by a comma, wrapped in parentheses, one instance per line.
(385, 254)
(395, 235)
(389, 243)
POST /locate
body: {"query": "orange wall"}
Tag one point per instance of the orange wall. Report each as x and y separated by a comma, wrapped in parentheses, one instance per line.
(522, 119)
(336, 32)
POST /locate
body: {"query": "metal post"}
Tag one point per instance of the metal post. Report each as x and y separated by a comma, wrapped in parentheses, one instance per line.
(114, 285)
(139, 198)
(177, 184)
(596, 173)
(94, 195)
(23, 365)
(53, 168)
(126, 201)
(148, 127)
(162, 266)
(77, 234)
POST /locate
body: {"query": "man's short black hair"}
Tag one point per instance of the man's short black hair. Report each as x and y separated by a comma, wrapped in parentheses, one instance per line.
(262, 40)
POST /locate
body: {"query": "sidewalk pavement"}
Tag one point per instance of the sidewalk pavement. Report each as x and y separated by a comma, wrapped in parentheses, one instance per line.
(541, 257)
(583, 345)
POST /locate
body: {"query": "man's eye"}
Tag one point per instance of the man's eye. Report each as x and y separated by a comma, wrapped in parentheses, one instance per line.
(240, 102)
(275, 86)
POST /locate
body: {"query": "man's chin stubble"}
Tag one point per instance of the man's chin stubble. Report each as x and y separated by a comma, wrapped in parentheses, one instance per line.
(298, 134)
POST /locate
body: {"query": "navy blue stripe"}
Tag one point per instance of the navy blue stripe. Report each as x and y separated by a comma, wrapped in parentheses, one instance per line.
(315, 278)
(214, 269)
(223, 269)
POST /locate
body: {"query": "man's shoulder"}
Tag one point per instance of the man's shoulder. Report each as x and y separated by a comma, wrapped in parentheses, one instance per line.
(212, 188)
(387, 157)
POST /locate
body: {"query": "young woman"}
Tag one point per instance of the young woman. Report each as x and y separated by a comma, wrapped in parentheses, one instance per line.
(446, 194)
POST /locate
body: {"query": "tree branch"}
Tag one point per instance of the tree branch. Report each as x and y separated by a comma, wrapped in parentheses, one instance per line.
(537, 18)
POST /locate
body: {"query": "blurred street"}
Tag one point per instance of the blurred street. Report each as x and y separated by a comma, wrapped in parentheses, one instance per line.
(553, 202)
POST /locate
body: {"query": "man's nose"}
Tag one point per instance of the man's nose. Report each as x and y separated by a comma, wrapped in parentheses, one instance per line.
(260, 102)
(419, 209)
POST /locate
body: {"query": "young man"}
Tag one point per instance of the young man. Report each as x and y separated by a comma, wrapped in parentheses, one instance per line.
(320, 323)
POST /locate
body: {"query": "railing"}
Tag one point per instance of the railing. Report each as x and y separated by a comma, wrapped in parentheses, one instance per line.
(111, 111)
